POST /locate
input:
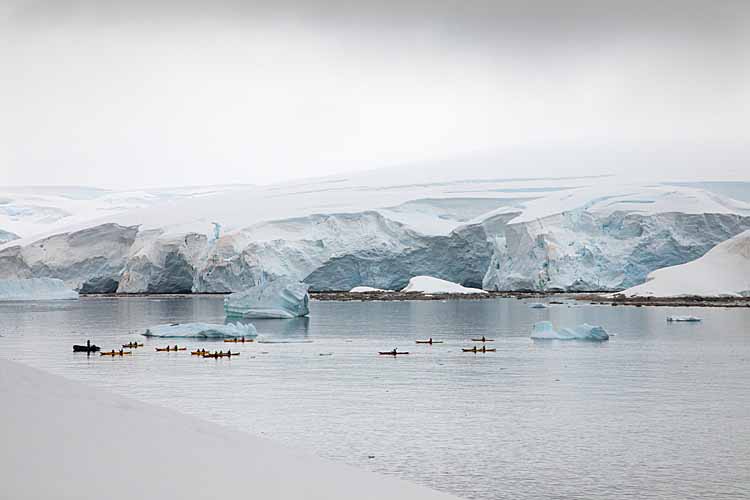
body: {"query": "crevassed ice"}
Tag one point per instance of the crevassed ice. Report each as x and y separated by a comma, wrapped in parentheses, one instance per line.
(280, 299)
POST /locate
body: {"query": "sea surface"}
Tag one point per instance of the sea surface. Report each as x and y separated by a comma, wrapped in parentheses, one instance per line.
(661, 411)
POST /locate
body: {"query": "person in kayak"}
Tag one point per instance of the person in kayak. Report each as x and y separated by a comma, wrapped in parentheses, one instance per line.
(394, 351)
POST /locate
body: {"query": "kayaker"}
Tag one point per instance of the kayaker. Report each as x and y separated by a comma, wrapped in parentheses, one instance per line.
(394, 351)
(484, 339)
(430, 340)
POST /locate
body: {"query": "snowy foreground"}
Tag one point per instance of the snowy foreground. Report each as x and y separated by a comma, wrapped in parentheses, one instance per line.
(469, 224)
(100, 445)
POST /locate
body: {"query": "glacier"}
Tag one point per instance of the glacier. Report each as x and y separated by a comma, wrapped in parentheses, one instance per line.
(35, 289)
(202, 330)
(472, 228)
(279, 299)
(544, 330)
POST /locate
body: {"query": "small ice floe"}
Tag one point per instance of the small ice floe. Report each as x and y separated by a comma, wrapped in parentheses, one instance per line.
(537, 305)
(202, 330)
(543, 330)
(686, 319)
(325, 354)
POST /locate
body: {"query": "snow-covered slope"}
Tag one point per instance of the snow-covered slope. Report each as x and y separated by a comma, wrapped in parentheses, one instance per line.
(428, 284)
(468, 225)
(724, 270)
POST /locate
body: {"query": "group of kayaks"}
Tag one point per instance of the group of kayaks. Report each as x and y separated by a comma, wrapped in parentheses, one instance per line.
(216, 354)
(89, 348)
(431, 341)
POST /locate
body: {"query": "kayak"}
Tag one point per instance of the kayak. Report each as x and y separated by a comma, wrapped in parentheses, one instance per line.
(132, 345)
(167, 349)
(200, 352)
(429, 341)
(221, 355)
(115, 353)
(239, 341)
(391, 353)
(483, 340)
(474, 349)
(86, 348)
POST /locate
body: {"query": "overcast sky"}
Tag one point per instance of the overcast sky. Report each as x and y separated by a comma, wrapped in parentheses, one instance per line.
(152, 93)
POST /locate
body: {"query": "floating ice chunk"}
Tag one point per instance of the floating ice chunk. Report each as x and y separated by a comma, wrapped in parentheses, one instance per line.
(689, 319)
(537, 305)
(283, 298)
(428, 284)
(35, 289)
(202, 330)
(366, 289)
(543, 330)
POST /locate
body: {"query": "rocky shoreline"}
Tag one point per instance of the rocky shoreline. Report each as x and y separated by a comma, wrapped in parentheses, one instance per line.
(687, 301)
(592, 298)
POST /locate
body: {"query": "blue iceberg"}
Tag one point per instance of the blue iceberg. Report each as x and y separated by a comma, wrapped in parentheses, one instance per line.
(280, 299)
(35, 289)
(543, 330)
(202, 330)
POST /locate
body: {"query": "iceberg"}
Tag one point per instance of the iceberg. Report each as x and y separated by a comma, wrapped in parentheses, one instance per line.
(35, 289)
(686, 319)
(280, 299)
(543, 330)
(428, 284)
(202, 330)
(537, 305)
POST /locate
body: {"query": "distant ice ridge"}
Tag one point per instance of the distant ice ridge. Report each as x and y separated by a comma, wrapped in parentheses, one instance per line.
(281, 299)
(723, 271)
(544, 330)
(428, 284)
(202, 330)
(35, 289)
(6, 236)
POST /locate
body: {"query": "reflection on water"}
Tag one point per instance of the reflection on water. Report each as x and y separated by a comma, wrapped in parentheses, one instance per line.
(659, 411)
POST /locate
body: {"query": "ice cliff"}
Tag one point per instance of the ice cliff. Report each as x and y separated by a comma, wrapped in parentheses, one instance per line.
(339, 233)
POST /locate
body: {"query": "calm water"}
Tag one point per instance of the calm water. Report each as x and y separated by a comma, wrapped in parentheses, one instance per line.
(660, 411)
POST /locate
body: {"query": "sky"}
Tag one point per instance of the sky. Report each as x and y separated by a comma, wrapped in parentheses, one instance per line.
(159, 93)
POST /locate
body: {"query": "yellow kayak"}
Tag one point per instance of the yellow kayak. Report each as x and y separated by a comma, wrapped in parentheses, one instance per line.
(115, 353)
(239, 341)
(168, 349)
